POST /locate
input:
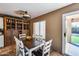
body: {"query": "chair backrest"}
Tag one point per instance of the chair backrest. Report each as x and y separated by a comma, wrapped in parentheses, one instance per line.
(22, 35)
(36, 37)
(19, 47)
(46, 48)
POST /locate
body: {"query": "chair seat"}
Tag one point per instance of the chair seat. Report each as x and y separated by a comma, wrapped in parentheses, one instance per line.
(38, 52)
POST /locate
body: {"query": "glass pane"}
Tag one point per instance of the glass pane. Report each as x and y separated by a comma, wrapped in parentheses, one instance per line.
(75, 33)
(42, 29)
(36, 28)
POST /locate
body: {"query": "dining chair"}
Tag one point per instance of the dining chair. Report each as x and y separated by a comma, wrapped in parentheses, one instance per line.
(22, 35)
(45, 51)
(20, 49)
(47, 47)
(38, 39)
(17, 43)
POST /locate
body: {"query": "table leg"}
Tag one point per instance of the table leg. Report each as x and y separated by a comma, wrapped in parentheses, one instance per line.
(30, 53)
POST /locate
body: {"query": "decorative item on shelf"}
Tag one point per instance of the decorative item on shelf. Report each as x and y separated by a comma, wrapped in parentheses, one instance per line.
(28, 37)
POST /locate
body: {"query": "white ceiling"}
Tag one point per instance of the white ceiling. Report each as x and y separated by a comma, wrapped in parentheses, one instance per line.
(34, 9)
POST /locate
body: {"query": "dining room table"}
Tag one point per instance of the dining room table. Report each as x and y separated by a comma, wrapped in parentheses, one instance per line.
(32, 45)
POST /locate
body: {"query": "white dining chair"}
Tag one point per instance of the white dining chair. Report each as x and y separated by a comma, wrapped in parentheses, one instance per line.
(47, 47)
(22, 35)
(17, 47)
(20, 49)
(38, 39)
(45, 51)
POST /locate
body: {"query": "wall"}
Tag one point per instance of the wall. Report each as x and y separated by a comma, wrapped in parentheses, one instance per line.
(1, 23)
(54, 24)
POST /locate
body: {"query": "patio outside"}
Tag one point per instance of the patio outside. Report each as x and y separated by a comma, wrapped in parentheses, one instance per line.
(75, 33)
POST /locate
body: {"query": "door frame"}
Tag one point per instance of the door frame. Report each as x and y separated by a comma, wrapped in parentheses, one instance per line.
(63, 26)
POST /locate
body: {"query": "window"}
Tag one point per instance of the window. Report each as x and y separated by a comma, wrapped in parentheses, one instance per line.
(75, 33)
(39, 29)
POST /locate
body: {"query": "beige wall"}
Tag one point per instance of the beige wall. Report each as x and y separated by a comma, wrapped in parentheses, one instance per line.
(54, 24)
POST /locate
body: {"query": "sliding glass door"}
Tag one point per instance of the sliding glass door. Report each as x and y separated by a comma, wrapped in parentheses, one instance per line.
(70, 34)
(75, 32)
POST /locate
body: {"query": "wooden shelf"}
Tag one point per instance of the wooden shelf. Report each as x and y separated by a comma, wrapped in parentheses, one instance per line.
(14, 25)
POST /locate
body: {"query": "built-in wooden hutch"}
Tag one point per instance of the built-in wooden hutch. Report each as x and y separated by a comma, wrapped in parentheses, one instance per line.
(14, 26)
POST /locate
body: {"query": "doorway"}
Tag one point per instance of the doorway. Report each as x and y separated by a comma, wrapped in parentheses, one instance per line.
(70, 33)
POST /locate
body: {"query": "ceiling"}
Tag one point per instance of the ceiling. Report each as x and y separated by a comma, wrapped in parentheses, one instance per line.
(34, 9)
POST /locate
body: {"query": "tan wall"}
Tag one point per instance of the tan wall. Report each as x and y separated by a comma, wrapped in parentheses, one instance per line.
(54, 24)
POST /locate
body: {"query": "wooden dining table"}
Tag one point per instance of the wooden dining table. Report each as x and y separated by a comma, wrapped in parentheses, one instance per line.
(31, 46)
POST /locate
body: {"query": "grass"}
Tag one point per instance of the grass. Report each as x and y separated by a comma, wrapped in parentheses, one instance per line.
(75, 39)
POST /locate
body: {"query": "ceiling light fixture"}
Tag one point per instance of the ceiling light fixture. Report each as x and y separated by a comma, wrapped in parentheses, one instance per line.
(23, 14)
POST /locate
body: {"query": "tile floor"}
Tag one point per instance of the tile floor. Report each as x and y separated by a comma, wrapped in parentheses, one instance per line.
(8, 52)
